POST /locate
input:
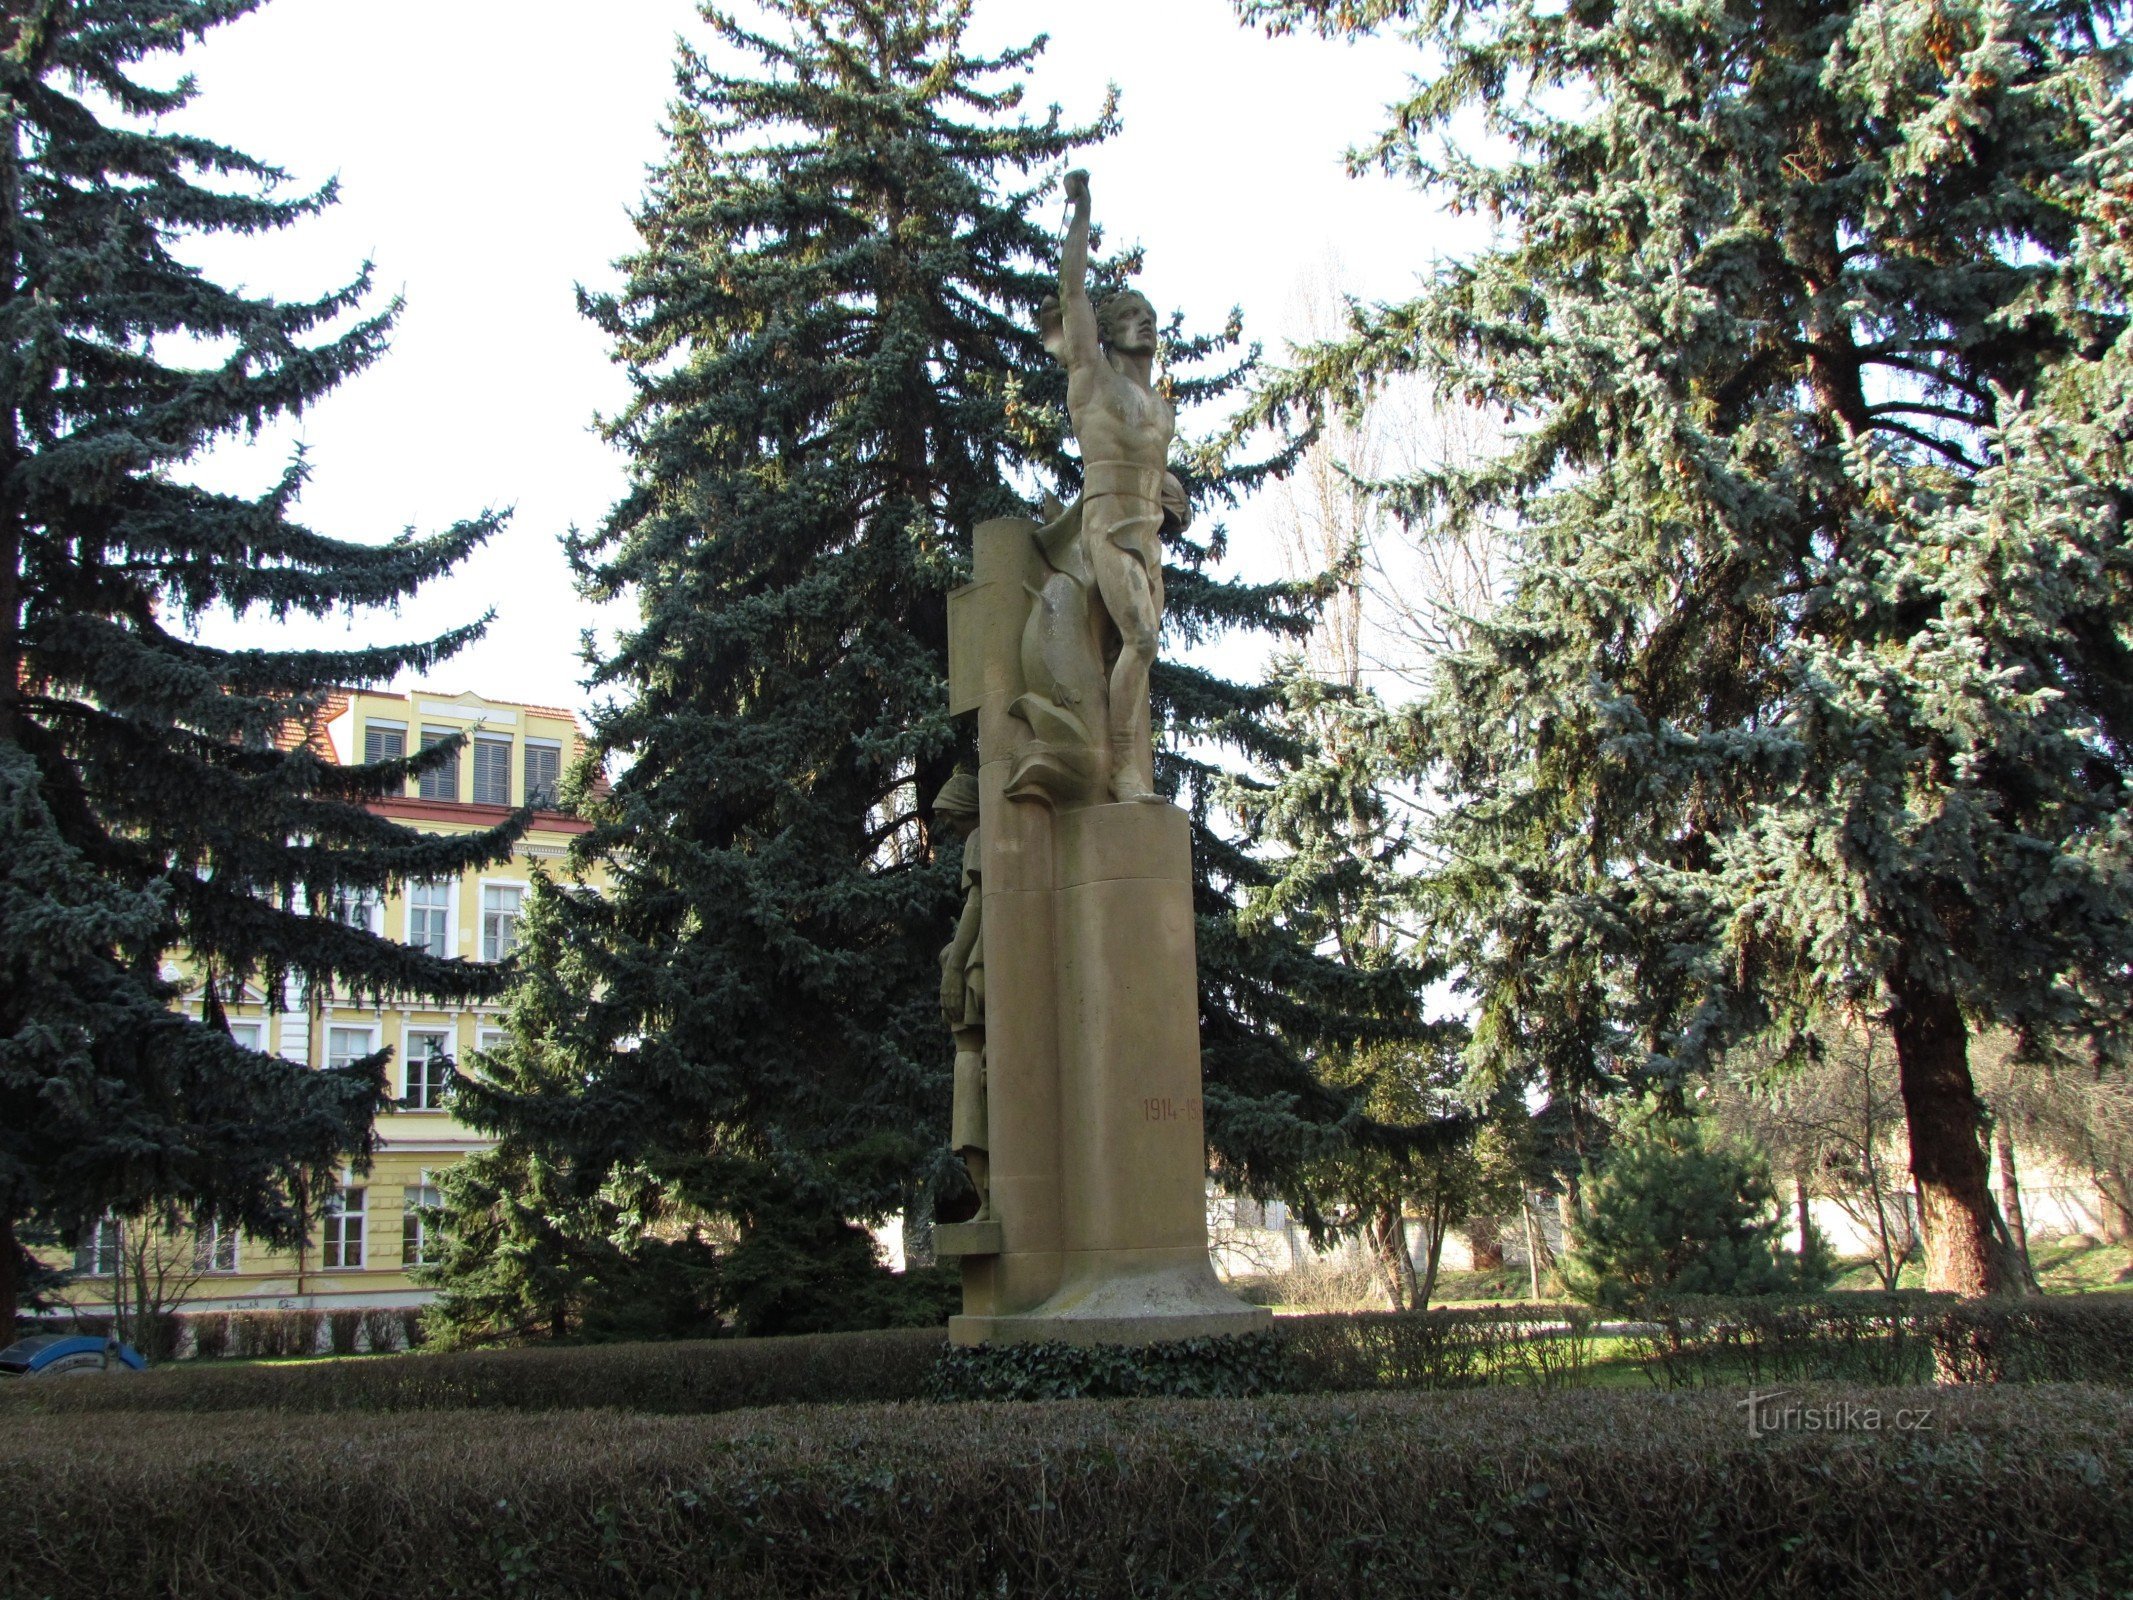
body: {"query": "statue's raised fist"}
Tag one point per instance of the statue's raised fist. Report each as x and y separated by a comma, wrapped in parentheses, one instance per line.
(1077, 186)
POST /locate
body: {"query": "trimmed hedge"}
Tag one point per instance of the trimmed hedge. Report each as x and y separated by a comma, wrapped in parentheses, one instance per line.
(1229, 1368)
(2002, 1492)
(685, 1376)
(1888, 1338)
(1858, 1338)
(1544, 1347)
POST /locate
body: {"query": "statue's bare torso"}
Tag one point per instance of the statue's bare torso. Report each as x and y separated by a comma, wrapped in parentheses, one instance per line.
(1124, 426)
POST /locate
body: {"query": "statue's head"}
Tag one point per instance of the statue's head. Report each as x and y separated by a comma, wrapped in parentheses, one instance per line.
(957, 803)
(1126, 323)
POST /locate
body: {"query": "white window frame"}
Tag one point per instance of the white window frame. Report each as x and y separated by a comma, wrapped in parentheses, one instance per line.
(373, 906)
(334, 1235)
(366, 1029)
(524, 886)
(215, 1250)
(106, 1237)
(411, 1209)
(450, 886)
(408, 1034)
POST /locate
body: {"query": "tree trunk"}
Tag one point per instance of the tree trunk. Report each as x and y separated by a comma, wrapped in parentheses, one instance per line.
(1484, 1237)
(10, 1279)
(2011, 1201)
(1437, 1229)
(1942, 1117)
(2113, 1190)
(1804, 1212)
(1533, 1245)
(1388, 1242)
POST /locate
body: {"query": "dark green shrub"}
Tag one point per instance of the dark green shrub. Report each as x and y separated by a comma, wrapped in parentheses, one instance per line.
(2070, 1339)
(1188, 1369)
(800, 1272)
(341, 1330)
(679, 1376)
(1675, 1211)
(1856, 1338)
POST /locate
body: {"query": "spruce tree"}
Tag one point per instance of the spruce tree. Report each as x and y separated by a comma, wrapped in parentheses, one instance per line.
(1812, 690)
(153, 805)
(832, 331)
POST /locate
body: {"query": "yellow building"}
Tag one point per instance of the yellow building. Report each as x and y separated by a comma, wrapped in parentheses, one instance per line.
(371, 1232)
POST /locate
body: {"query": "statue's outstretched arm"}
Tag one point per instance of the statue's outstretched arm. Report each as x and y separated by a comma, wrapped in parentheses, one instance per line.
(1077, 315)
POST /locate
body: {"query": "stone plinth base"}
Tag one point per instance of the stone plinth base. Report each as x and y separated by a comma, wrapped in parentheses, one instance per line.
(1124, 1297)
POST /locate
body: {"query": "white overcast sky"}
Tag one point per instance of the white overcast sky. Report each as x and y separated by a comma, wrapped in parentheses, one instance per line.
(490, 151)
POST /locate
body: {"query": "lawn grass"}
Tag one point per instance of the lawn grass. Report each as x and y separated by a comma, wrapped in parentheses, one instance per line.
(2076, 1264)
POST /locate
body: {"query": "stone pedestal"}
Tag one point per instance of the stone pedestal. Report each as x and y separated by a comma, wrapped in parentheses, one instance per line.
(1098, 1149)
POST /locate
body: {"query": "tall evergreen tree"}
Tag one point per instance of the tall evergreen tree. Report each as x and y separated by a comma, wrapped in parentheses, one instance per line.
(832, 330)
(148, 806)
(1813, 689)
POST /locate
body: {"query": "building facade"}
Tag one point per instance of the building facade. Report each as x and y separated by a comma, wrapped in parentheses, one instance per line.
(372, 1232)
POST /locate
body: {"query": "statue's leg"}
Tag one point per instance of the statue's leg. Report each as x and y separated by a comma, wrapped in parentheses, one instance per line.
(1129, 576)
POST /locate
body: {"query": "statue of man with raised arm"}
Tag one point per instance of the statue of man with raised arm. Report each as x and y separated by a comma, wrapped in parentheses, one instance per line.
(1124, 426)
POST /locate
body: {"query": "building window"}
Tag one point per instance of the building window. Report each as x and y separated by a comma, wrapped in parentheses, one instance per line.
(441, 782)
(347, 1045)
(359, 909)
(429, 1069)
(429, 909)
(341, 1229)
(544, 774)
(97, 1256)
(418, 1231)
(214, 1248)
(384, 742)
(499, 920)
(492, 771)
(246, 1035)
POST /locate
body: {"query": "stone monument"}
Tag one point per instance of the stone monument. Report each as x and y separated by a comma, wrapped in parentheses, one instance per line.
(1071, 985)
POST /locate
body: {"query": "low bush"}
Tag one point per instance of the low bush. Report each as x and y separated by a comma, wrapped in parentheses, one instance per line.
(342, 1327)
(1997, 1492)
(684, 1376)
(1853, 1338)
(382, 1331)
(1543, 1346)
(1887, 1338)
(257, 1335)
(1186, 1369)
(2068, 1339)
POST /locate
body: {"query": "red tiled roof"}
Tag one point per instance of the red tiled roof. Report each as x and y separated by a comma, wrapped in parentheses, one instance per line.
(297, 733)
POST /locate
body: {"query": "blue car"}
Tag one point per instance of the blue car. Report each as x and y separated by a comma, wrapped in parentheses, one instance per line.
(52, 1355)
